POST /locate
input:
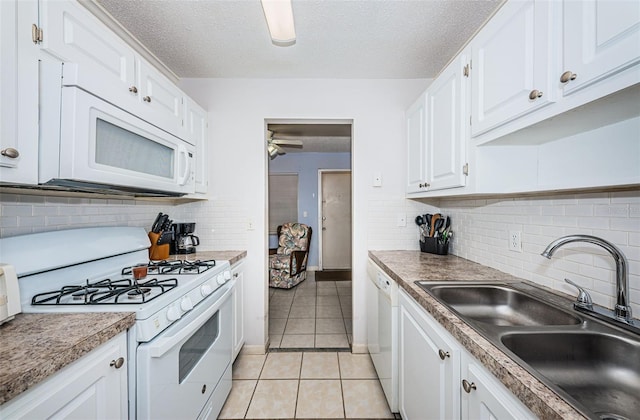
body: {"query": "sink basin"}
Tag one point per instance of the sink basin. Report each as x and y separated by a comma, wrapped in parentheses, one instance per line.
(599, 370)
(498, 305)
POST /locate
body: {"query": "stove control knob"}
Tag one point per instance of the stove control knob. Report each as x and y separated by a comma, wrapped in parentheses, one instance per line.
(186, 304)
(227, 275)
(173, 314)
(221, 280)
(206, 289)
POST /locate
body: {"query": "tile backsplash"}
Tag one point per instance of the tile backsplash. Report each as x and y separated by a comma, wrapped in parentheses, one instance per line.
(482, 229)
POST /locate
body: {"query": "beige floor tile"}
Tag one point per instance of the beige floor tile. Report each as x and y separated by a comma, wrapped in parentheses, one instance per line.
(248, 366)
(327, 300)
(328, 291)
(326, 284)
(320, 399)
(282, 366)
(344, 284)
(330, 326)
(238, 400)
(348, 324)
(309, 283)
(328, 311)
(274, 399)
(364, 399)
(303, 311)
(331, 341)
(278, 311)
(274, 341)
(276, 326)
(356, 366)
(281, 301)
(350, 338)
(297, 341)
(307, 291)
(320, 366)
(304, 300)
(300, 326)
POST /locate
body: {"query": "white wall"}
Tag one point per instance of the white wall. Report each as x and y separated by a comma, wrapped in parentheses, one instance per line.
(238, 161)
(482, 227)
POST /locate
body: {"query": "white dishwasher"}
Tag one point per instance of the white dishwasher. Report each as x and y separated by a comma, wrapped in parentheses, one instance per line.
(382, 330)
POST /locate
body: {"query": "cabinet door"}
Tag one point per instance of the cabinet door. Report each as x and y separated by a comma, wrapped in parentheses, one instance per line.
(197, 126)
(511, 56)
(93, 387)
(446, 126)
(164, 102)
(487, 399)
(95, 58)
(19, 93)
(600, 38)
(416, 146)
(238, 310)
(429, 367)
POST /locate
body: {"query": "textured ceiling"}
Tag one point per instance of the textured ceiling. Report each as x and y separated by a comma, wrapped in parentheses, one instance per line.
(360, 39)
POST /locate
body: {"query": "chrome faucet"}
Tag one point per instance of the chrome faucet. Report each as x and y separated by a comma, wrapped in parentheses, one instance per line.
(622, 310)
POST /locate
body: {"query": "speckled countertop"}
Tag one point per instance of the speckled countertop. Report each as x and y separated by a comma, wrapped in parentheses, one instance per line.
(405, 267)
(35, 346)
(231, 256)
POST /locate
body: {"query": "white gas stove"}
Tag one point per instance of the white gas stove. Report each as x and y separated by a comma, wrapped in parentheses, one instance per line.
(180, 344)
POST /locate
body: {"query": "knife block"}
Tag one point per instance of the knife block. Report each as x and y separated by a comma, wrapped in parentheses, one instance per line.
(157, 252)
(433, 246)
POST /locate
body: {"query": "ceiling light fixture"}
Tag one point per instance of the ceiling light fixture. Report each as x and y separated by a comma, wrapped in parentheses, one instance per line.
(279, 15)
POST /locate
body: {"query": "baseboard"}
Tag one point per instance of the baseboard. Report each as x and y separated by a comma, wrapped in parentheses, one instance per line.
(254, 349)
(359, 348)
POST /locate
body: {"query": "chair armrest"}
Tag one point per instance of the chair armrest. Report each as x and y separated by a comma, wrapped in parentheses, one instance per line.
(300, 261)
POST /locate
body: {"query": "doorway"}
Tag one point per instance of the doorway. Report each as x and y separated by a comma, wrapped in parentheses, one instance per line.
(312, 313)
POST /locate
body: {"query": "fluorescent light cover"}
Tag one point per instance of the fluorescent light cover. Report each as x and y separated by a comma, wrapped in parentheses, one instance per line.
(279, 15)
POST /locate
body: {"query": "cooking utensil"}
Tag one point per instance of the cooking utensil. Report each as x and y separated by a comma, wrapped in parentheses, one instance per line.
(434, 219)
(419, 220)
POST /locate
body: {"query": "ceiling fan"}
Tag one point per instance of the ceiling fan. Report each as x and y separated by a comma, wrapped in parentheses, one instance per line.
(273, 144)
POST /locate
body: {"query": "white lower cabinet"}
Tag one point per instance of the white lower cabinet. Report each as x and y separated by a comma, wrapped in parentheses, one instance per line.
(92, 387)
(238, 308)
(433, 369)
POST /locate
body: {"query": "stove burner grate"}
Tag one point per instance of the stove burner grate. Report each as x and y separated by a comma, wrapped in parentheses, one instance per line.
(106, 292)
(174, 267)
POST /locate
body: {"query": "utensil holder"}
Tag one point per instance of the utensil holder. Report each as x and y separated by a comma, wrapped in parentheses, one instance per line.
(157, 252)
(433, 246)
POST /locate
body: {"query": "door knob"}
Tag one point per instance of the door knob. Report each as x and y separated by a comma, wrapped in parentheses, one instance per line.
(468, 387)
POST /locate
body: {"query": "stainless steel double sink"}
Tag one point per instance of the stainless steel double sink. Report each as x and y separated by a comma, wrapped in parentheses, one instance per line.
(593, 365)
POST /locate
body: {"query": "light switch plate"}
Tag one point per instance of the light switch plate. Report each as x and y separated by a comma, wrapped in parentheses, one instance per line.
(377, 179)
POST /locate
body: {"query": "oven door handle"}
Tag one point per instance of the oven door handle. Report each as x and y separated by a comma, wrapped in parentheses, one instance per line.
(163, 344)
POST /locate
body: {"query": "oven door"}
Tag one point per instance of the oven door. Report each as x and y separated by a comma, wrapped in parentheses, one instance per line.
(179, 370)
(103, 144)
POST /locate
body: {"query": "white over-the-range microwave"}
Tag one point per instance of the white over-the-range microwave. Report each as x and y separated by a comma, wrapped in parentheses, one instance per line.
(89, 144)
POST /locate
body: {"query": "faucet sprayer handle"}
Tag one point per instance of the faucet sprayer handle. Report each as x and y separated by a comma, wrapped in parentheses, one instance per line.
(584, 299)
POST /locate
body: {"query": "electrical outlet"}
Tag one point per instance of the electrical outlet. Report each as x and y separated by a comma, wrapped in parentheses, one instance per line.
(515, 241)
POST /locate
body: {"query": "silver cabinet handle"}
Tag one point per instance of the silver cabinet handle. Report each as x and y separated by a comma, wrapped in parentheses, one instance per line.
(133, 89)
(235, 275)
(425, 185)
(568, 76)
(10, 152)
(117, 363)
(468, 386)
(535, 94)
(443, 354)
(147, 99)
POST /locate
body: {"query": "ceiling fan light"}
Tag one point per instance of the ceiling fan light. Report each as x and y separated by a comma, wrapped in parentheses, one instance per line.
(272, 150)
(279, 15)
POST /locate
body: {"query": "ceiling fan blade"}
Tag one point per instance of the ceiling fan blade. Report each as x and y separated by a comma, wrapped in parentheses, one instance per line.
(285, 142)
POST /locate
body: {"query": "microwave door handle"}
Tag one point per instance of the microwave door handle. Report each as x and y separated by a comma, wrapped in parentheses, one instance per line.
(183, 152)
(164, 343)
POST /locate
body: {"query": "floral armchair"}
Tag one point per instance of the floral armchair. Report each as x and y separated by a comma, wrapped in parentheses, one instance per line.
(288, 266)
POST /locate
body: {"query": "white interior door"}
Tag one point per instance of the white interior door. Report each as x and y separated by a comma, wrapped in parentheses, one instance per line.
(335, 220)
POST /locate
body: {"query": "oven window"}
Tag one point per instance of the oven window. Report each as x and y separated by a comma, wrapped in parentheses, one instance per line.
(124, 149)
(195, 347)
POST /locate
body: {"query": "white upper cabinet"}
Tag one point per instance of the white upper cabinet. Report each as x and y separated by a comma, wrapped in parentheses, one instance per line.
(197, 126)
(18, 93)
(446, 126)
(600, 38)
(416, 144)
(95, 58)
(510, 64)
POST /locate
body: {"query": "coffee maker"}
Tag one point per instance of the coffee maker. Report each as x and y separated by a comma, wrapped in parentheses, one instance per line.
(184, 241)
